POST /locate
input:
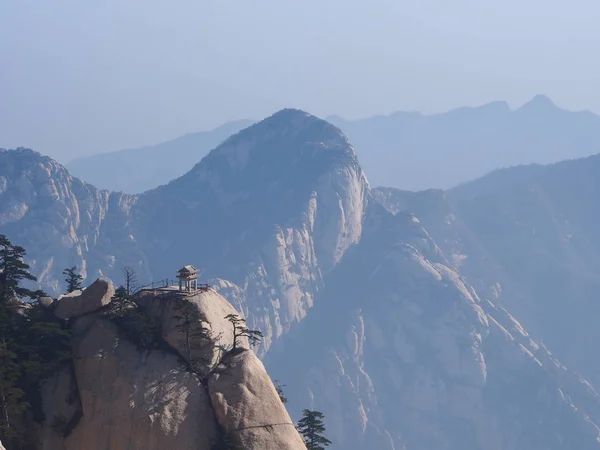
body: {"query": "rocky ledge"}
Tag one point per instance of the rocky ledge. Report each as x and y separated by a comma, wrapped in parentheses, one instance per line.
(188, 390)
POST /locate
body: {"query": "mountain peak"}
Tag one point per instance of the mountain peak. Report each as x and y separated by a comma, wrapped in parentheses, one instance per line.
(287, 132)
(295, 120)
(539, 102)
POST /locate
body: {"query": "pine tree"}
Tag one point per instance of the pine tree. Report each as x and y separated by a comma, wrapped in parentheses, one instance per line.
(311, 428)
(13, 270)
(279, 387)
(31, 344)
(190, 325)
(241, 330)
(137, 324)
(73, 279)
(120, 303)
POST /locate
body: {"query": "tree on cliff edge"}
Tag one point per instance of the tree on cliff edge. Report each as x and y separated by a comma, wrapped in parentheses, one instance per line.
(191, 325)
(240, 330)
(311, 428)
(73, 279)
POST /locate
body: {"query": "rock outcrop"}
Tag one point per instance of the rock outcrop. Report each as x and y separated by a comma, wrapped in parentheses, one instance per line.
(92, 298)
(238, 384)
(209, 309)
(118, 396)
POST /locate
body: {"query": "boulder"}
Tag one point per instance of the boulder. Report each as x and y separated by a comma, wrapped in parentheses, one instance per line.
(248, 407)
(46, 302)
(92, 298)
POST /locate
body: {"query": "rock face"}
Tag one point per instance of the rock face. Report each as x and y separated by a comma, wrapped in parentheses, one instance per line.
(240, 382)
(62, 221)
(115, 395)
(401, 352)
(210, 308)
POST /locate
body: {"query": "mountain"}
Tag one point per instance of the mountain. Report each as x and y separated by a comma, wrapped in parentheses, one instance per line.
(528, 237)
(137, 170)
(401, 352)
(406, 150)
(368, 314)
(64, 221)
(413, 151)
(539, 223)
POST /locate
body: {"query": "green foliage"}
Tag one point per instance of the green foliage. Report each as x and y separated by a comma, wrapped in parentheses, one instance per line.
(279, 388)
(241, 330)
(73, 279)
(191, 325)
(136, 324)
(311, 428)
(13, 270)
(33, 343)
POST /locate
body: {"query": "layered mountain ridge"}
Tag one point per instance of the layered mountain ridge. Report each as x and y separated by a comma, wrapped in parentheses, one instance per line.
(370, 312)
(406, 150)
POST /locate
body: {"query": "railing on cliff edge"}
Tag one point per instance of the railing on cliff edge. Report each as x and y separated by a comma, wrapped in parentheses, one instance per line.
(165, 283)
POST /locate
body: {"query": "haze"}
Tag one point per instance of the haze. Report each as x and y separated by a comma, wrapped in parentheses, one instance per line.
(80, 78)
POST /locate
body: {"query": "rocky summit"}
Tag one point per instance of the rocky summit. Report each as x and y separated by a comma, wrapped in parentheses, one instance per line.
(389, 311)
(116, 395)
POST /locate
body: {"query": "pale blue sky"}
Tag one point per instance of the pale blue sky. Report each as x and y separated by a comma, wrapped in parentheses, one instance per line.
(87, 76)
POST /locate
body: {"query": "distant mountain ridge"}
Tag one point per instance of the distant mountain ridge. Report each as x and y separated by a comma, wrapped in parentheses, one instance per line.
(405, 150)
(412, 151)
(134, 171)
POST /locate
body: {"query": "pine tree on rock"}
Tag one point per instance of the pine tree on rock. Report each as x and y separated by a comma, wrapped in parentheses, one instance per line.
(279, 387)
(311, 428)
(241, 330)
(191, 325)
(73, 279)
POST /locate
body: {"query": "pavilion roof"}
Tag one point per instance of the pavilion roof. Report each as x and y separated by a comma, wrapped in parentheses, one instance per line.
(188, 269)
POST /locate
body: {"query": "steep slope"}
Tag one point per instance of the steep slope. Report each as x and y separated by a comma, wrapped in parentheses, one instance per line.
(136, 170)
(400, 352)
(540, 225)
(414, 151)
(63, 221)
(528, 236)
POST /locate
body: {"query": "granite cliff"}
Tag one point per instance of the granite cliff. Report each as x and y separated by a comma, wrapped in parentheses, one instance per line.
(118, 396)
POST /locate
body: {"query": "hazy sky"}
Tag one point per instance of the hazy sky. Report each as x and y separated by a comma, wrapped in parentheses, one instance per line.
(80, 77)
